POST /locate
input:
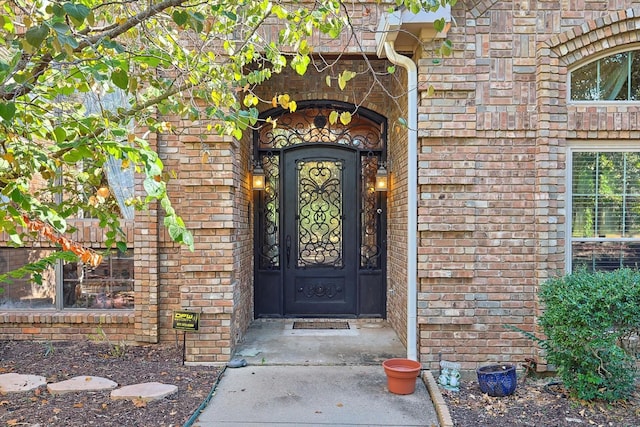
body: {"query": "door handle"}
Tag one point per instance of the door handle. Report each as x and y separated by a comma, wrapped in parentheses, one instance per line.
(288, 248)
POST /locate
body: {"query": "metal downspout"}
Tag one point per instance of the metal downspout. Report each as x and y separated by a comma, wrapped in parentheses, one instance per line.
(412, 190)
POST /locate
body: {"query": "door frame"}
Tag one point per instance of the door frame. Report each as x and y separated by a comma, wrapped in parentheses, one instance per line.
(369, 143)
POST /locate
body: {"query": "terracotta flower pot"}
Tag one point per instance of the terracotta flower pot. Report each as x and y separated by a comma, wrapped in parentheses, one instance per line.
(401, 375)
(497, 380)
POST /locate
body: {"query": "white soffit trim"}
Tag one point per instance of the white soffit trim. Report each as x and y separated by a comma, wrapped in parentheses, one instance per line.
(404, 29)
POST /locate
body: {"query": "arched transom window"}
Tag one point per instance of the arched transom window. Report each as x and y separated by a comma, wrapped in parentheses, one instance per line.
(613, 78)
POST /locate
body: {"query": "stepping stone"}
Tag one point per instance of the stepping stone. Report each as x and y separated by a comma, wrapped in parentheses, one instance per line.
(16, 383)
(145, 391)
(86, 383)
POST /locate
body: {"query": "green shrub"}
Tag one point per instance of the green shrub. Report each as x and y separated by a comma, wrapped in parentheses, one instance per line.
(587, 317)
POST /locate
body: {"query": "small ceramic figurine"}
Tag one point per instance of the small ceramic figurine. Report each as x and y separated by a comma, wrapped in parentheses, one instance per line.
(449, 375)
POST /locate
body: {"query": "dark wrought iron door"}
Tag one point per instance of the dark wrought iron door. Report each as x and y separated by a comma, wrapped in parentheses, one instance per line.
(320, 234)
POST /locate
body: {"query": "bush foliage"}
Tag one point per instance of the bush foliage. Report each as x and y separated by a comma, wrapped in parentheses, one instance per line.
(589, 320)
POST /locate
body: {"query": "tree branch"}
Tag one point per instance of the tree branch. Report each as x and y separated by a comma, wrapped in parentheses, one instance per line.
(44, 63)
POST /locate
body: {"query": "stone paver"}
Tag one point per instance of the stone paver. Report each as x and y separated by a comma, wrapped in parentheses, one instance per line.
(144, 391)
(16, 383)
(82, 383)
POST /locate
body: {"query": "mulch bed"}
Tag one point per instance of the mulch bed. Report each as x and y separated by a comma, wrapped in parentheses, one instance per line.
(59, 361)
(533, 403)
(537, 403)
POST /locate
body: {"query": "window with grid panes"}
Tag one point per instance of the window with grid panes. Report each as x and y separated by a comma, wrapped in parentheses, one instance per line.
(605, 210)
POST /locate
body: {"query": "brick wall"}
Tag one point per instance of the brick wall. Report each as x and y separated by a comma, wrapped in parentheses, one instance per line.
(209, 188)
(202, 189)
(492, 167)
(491, 187)
(397, 239)
(59, 326)
(243, 241)
(147, 235)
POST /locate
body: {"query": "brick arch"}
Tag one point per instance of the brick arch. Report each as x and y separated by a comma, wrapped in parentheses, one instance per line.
(560, 52)
(478, 7)
(312, 85)
(320, 98)
(595, 36)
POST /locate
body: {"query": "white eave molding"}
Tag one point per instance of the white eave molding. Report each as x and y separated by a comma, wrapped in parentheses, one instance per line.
(404, 29)
(401, 31)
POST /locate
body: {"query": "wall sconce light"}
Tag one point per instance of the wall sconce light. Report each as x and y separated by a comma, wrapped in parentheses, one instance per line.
(382, 178)
(257, 178)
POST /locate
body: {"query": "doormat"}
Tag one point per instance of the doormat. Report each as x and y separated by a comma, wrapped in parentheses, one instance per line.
(320, 325)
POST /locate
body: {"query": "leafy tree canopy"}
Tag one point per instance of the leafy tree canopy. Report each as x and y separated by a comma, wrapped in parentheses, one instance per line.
(76, 76)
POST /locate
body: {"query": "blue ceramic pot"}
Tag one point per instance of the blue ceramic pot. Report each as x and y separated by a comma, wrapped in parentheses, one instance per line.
(497, 380)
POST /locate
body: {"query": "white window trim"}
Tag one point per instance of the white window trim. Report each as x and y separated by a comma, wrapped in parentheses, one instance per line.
(593, 146)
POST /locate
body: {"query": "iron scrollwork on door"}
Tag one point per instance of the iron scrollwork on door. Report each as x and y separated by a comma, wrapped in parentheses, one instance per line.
(370, 246)
(311, 126)
(269, 242)
(319, 217)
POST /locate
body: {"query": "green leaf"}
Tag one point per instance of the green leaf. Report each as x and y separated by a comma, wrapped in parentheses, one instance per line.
(120, 78)
(36, 35)
(166, 205)
(67, 42)
(77, 154)
(153, 188)
(15, 239)
(197, 21)
(344, 77)
(180, 17)
(7, 24)
(445, 49)
(232, 16)
(60, 134)
(56, 9)
(7, 111)
(122, 246)
(61, 28)
(341, 82)
(300, 64)
(77, 12)
(175, 232)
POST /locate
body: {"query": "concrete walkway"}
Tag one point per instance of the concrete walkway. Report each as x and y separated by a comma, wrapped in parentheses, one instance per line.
(314, 396)
(319, 378)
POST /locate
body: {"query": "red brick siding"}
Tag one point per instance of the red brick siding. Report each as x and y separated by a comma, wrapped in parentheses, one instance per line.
(492, 174)
(491, 187)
